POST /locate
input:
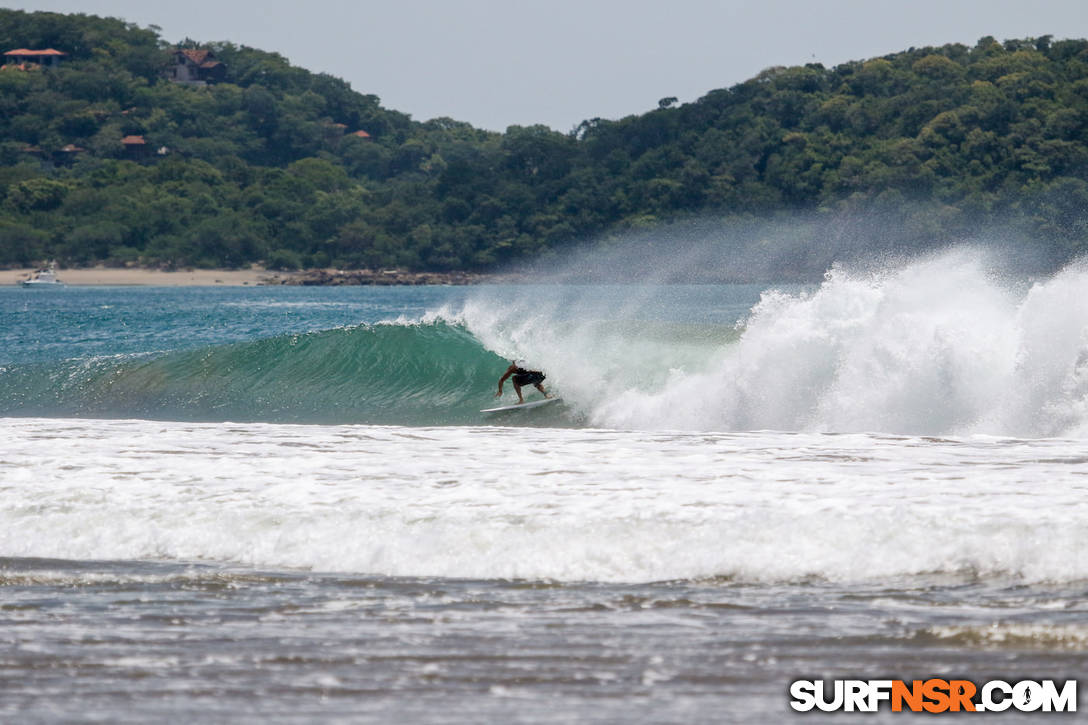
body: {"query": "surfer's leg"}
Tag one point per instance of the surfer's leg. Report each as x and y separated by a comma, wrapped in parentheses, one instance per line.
(517, 389)
(540, 387)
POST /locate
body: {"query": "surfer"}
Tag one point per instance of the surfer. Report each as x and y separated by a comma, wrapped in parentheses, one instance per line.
(521, 377)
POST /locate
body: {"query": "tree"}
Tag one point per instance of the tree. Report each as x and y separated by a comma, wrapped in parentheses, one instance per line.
(265, 165)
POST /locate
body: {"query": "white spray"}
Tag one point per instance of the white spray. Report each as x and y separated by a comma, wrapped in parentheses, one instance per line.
(942, 345)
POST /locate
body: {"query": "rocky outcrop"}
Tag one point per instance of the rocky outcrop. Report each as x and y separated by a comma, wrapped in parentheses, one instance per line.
(336, 278)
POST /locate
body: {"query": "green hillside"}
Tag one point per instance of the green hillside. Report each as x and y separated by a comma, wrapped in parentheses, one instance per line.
(263, 163)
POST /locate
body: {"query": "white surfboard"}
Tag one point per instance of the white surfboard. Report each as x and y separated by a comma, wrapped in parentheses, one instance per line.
(521, 406)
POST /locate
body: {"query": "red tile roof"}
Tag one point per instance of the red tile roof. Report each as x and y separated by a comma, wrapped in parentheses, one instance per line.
(198, 56)
(133, 140)
(23, 52)
(361, 134)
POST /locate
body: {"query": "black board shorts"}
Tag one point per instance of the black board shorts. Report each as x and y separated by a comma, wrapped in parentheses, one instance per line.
(530, 378)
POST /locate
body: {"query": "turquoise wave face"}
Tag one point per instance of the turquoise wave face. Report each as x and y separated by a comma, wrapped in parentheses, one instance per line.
(433, 373)
(403, 356)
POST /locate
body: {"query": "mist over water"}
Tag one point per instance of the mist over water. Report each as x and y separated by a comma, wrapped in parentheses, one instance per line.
(796, 247)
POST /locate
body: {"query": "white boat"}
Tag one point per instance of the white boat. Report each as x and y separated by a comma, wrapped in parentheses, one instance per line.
(44, 278)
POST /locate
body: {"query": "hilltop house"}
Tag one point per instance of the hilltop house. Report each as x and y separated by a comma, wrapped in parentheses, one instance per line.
(65, 156)
(196, 67)
(21, 56)
(135, 146)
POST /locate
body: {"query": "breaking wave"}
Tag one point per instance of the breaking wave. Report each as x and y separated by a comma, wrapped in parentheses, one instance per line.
(944, 345)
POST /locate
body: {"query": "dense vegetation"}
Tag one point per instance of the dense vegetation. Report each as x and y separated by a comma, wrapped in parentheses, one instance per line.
(263, 166)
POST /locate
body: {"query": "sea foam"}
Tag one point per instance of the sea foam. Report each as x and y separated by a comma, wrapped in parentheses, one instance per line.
(568, 505)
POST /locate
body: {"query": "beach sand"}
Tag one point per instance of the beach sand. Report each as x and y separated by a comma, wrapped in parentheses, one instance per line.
(147, 277)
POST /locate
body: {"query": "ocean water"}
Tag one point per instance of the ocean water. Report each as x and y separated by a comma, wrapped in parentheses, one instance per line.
(283, 504)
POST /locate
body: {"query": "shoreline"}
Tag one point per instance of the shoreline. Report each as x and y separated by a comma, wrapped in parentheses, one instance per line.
(143, 277)
(257, 277)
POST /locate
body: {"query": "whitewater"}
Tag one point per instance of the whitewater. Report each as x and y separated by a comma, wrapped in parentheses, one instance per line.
(282, 503)
(946, 345)
(542, 504)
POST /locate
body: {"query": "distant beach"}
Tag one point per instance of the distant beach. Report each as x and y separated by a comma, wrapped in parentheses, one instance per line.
(109, 276)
